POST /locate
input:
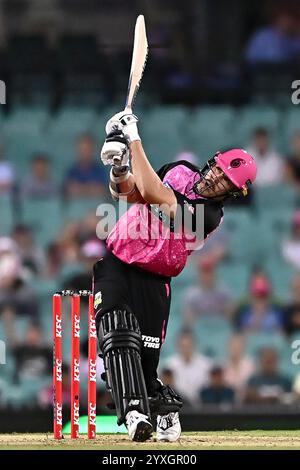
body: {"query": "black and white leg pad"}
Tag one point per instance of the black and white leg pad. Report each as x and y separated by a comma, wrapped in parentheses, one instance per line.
(120, 343)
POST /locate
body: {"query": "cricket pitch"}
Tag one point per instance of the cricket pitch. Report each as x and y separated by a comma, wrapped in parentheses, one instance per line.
(234, 440)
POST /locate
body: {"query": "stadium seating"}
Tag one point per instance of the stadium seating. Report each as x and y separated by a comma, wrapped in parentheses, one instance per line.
(213, 334)
(6, 211)
(77, 208)
(257, 341)
(254, 234)
(291, 124)
(251, 117)
(164, 134)
(274, 199)
(203, 137)
(44, 217)
(241, 227)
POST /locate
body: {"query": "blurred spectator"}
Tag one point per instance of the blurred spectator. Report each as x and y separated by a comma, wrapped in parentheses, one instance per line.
(296, 386)
(268, 385)
(277, 43)
(291, 245)
(39, 184)
(53, 261)
(7, 176)
(217, 392)
(34, 357)
(88, 226)
(208, 297)
(188, 157)
(167, 377)
(32, 256)
(91, 251)
(238, 367)
(269, 163)
(259, 314)
(292, 168)
(216, 247)
(292, 309)
(16, 296)
(87, 178)
(190, 368)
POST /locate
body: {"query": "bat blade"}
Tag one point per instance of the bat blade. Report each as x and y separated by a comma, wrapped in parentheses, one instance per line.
(139, 58)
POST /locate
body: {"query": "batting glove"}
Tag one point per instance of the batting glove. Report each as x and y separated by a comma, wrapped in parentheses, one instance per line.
(125, 122)
(115, 151)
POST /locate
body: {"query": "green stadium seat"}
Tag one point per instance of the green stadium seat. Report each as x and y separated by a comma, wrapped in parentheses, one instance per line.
(287, 366)
(45, 218)
(274, 226)
(7, 370)
(257, 341)
(235, 276)
(71, 121)
(213, 334)
(69, 270)
(240, 225)
(252, 117)
(163, 134)
(274, 199)
(281, 275)
(210, 129)
(21, 146)
(100, 121)
(291, 124)
(75, 209)
(26, 393)
(7, 218)
(23, 119)
(187, 277)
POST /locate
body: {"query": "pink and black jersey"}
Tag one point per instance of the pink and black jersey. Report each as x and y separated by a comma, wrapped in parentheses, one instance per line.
(145, 237)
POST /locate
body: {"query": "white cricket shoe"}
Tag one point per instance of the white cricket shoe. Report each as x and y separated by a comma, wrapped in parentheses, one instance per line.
(168, 427)
(138, 426)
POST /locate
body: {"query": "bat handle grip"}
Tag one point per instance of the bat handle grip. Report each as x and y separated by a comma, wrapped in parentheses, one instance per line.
(128, 109)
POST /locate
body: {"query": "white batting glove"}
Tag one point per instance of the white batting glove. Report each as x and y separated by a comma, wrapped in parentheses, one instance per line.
(115, 150)
(125, 122)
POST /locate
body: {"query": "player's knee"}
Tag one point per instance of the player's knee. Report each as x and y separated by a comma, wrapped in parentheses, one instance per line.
(117, 329)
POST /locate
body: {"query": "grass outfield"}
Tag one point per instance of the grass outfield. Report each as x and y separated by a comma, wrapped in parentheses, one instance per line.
(192, 441)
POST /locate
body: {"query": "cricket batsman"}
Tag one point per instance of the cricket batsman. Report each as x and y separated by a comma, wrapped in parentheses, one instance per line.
(173, 212)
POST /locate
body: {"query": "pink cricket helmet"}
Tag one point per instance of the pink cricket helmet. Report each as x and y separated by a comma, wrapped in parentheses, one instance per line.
(239, 166)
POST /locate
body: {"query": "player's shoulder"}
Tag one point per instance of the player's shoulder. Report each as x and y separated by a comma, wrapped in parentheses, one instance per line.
(181, 166)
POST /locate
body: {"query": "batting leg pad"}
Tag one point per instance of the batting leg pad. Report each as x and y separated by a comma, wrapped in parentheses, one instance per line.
(121, 343)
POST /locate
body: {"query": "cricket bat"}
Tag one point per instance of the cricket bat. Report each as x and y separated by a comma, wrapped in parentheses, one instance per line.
(139, 58)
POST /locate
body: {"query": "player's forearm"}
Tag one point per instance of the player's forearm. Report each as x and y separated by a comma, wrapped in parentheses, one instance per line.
(146, 180)
(123, 187)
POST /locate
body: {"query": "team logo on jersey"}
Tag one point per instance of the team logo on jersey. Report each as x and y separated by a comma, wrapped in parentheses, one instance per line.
(98, 299)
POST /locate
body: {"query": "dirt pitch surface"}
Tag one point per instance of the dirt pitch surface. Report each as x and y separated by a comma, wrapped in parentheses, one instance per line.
(200, 441)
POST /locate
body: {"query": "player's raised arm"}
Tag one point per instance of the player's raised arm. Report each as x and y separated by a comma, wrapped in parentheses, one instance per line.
(115, 152)
(122, 129)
